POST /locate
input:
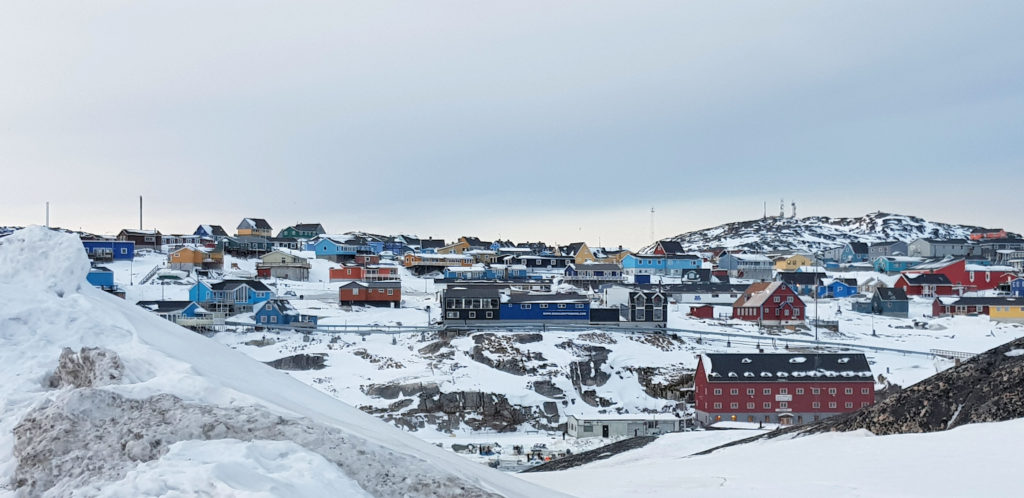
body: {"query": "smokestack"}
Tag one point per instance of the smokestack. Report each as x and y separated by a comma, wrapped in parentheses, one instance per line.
(140, 212)
(47, 214)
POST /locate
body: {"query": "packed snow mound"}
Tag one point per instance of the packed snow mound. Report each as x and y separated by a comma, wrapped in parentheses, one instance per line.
(102, 398)
(39, 258)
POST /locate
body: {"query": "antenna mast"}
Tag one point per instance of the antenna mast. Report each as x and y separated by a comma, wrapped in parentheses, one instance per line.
(652, 224)
(140, 212)
(794, 209)
(47, 214)
(782, 208)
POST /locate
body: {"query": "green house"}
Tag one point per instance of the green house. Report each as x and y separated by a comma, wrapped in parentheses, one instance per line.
(302, 231)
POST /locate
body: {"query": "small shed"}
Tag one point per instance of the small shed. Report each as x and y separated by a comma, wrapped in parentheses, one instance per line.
(705, 311)
(624, 425)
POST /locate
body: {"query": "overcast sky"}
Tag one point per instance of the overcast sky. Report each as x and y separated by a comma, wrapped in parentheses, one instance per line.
(559, 121)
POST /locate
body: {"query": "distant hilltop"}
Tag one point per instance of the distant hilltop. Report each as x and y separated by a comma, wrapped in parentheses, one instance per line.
(786, 234)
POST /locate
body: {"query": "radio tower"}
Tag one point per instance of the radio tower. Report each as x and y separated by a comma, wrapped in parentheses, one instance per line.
(782, 208)
(652, 224)
(794, 209)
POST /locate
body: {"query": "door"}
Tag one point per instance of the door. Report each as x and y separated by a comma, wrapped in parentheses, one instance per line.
(604, 431)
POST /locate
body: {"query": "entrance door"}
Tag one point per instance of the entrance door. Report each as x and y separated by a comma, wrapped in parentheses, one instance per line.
(604, 431)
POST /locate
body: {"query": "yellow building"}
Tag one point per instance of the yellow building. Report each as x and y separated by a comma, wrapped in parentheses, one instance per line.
(1009, 312)
(455, 248)
(793, 262)
(187, 258)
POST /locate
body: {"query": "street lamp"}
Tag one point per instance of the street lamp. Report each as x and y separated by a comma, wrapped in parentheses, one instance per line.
(428, 315)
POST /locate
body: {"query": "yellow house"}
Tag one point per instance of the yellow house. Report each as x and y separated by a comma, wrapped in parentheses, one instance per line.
(793, 262)
(614, 256)
(455, 248)
(255, 227)
(187, 258)
(1009, 312)
(579, 251)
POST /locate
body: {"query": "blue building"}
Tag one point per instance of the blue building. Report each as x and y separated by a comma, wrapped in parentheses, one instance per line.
(230, 295)
(109, 250)
(475, 272)
(101, 277)
(281, 312)
(1017, 287)
(838, 288)
(661, 265)
(854, 252)
(338, 250)
(510, 272)
(563, 308)
(802, 283)
(895, 264)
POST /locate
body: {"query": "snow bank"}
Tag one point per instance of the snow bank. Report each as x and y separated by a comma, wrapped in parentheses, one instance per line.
(100, 424)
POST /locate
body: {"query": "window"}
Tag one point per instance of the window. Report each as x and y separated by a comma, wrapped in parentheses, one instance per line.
(472, 314)
(267, 307)
(489, 314)
(124, 251)
(524, 306)
(391, 292)
(799, 391)
(849, 404)
(543, 306)
(263, 319)
(561, 306)
(451, 314)
(718, 392)
(863, 404)
(865, 390)
(767, 390)
(783, 390)
(588, 428)
(718, 406)
(849, 390)
(640, 315)
(750, 392)
(832, 404)
(815, 391)
(734, 392)
(750, 406)
(734, 406)
(832, 391)
(355, 292)
(273, 319)
(777, 299)
(789, 299)
(783, 404)
(767, 405)
(816, 405)
(658, 315)
(796, 313)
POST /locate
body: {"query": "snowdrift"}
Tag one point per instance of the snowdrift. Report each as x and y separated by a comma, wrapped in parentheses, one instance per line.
(101, 398)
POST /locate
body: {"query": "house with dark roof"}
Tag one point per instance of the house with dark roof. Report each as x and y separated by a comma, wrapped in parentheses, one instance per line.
(215, 232)
(927, 284)
(185, 313)
(1000, 308)
(255, 227)
(854, 252)
(668, 247)
(302, 231)
(143, 239)
(887, 249)
(886, 301)
(780, 389)
(234, 296)
(770, 304)
(281, 312)
(837, 288)
(378, 293)
(937, 248)
(803, 283)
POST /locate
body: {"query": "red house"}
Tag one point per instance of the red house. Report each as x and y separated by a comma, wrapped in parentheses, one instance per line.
(780, 388)
(969, 277)
(927, 284)
(371, 294)
(706, 311)
(770, 303)
(366, 273)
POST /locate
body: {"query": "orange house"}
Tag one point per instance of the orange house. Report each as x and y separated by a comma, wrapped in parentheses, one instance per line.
(188, 258)
(367, 273)
(371, 294)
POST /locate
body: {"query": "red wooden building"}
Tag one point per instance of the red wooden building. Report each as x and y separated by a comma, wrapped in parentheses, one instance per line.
(969, 277)
(365, 273)
(367, 259)
(780, 388)
(371, 294)
(770, 303)
(706, 311)
(927, 284)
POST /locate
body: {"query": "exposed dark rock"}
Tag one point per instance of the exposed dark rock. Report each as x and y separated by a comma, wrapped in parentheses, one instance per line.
(394, 391)
(528, 338)
(548, 389)
(606, 451)
(300, 362)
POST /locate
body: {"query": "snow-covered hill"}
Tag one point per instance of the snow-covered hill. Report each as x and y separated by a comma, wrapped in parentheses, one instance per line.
(102, 398)
(817, 232)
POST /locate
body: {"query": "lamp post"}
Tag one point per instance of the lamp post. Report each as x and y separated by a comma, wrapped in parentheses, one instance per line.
(428, 315)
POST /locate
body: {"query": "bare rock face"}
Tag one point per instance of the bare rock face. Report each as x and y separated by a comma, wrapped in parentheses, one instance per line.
(90, 367)
(300, 362)
(986, 388)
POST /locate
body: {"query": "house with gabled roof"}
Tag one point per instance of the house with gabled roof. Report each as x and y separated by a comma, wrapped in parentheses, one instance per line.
(232, 296)
(927, 284)
(999, 308)
(281, 312)
(255, 227)
(938, 248)
(770, 304)
(579, 252)
(785, 389)
(748, 266)
(215, 232)
(383, 293)
(802, 283)
(666, 247)
(854, 252)
(143, 239)
(886, 301)
(302, 231)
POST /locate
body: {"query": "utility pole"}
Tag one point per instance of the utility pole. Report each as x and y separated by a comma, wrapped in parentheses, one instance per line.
(47, 214)
(140, 212)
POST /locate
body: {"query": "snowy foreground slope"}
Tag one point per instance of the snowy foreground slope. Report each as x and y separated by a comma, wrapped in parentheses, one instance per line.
(973, 460)
(156, 410)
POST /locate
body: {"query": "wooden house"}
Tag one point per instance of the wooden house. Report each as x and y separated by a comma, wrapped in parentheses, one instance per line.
(279, 264)
(770, 304)
(143, 239)
(254, 227)
(387, 294)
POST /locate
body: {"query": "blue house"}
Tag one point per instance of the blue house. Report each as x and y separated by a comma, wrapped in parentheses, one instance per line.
(1017, 287)
(230, 295)
(175, 310)
(838, 288)
(854, 252)
(338, 250)
(109, 250)
(509, 272)
(475, 272)
(562, 308)
(802, 283)
(101, 277)
(895, 264)
(278, 311)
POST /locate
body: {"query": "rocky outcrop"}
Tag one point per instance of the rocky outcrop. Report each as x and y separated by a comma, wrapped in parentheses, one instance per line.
(986, 388)
(672, 390)
(548, 389)
(604, 452)
(300, 362)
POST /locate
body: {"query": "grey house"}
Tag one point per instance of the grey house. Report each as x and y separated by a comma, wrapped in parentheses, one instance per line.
(934, 248)
(624, 425)
(890, 248)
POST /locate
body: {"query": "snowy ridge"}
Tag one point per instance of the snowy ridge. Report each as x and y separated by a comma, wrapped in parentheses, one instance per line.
(229, 413)
(817, 232)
